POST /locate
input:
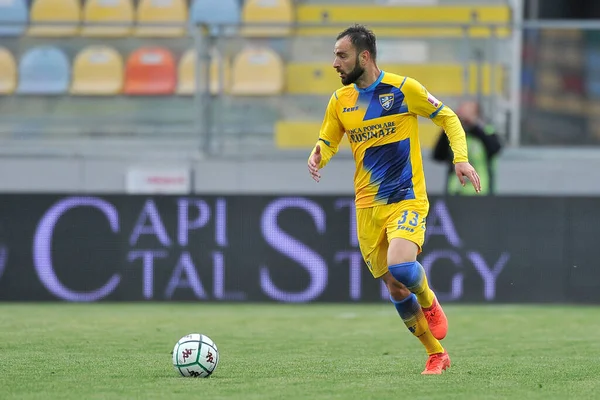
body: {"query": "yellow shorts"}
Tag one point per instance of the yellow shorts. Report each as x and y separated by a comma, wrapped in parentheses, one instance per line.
(377, 226)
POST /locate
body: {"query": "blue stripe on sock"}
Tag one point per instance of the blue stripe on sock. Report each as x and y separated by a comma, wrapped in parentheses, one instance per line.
(408, 307)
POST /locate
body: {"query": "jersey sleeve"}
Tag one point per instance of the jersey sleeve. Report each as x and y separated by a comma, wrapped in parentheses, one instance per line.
(424, 104)
(331, 133)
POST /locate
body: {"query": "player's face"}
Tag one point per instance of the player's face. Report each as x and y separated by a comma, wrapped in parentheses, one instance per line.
(347, 61)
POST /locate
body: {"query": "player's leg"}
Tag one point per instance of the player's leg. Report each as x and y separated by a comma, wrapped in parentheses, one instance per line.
(374, 247)
(412, 314)
(406, 232)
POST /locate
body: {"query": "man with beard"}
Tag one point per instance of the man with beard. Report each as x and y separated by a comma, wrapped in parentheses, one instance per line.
(378, 112)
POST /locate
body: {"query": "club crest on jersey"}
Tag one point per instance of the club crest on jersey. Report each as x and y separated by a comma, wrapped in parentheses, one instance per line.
(386, 101)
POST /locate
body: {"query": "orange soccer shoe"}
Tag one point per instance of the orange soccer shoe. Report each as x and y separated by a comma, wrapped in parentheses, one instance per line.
(438, 323)
(436, 364)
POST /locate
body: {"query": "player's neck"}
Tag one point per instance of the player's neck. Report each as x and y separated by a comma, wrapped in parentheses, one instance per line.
(368, 78)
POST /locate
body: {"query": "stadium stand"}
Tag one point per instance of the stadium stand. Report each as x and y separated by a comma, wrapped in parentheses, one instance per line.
(13, 17)
(257, 71)
(150, 71)
(219, 74)
(54, 18)
(217, 14)
(271, 18)
(97, 71)
(8, 72)
(108, 18)
(44, 70)
(161, 18)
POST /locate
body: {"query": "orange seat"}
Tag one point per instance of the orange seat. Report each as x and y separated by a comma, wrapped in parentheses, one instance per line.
(150, 71)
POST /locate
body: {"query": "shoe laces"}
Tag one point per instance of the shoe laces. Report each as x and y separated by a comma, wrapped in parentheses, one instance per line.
(434, 360)
(431, 311)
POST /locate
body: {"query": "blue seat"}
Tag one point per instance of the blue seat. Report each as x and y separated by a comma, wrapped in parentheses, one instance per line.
(593, 59)
(215, 12)
(44, 70)
(13, 17)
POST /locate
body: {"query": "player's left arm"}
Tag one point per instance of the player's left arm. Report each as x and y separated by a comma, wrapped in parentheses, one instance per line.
(424, 104)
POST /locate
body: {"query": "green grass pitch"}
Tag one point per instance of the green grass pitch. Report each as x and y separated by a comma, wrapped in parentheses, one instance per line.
(350, 351)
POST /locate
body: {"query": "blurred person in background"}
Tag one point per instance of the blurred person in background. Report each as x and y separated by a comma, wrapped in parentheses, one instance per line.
(484, 146)
(377, 111)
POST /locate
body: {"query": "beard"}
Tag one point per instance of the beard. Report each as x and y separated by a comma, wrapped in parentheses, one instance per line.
(354, 75)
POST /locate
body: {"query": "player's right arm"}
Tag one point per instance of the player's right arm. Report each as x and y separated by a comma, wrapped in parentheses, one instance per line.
(330, 136)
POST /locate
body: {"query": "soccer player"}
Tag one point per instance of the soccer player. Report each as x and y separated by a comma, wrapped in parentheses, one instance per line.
(378, 112)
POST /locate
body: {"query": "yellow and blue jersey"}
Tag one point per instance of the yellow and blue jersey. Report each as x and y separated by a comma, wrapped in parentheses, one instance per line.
(382, 127)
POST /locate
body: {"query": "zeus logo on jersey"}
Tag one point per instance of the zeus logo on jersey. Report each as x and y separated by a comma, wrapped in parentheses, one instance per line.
(386, 100)
(349, 109)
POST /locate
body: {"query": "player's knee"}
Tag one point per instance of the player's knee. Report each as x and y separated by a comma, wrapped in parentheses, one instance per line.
(399, 293)
(397, 290)
(408, 273)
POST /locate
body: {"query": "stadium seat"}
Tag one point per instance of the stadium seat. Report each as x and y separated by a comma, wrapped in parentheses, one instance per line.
(8, 72)
(257, 71)
(112, 18)
(219, 68)
(216, 13)
(54, 18)
(44, 70)
(150, 71)
(172, 14)
(97, 70)
(338, 15)
(440, 79)
(279, 13)
(13, 17)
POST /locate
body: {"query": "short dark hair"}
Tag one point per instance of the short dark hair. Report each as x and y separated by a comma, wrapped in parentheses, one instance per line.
(362, 39)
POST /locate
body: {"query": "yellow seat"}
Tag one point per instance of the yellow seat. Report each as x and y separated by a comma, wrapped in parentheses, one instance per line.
(299, 135)
(279, 13)
(440, 79)
(8, 72)
(368, 14)
(97, 71)
(54, 18)
(257, 71)
(112, 18)
(219, 69)
(172, 14)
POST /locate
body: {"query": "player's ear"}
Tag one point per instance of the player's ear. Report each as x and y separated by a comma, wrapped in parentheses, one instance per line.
(364, 57)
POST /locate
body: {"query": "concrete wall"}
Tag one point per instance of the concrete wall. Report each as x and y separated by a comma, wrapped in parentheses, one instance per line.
(528, 172)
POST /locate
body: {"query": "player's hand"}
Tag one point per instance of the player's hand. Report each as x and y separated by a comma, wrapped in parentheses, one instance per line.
(313, 164)
(464, 169)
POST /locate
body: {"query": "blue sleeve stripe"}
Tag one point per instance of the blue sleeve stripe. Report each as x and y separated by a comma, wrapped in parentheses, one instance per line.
(400, 88)
(335, 94)
(327, 142)
(436, 112)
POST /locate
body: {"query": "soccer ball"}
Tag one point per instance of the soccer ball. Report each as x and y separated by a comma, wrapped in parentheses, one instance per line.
(195, 355)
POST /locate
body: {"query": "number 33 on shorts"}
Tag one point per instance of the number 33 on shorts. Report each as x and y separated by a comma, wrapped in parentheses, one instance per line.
(410, 220)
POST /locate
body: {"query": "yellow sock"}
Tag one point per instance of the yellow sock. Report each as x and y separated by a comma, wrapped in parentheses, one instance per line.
(421, 290)
(414, 319)
(419, 327)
